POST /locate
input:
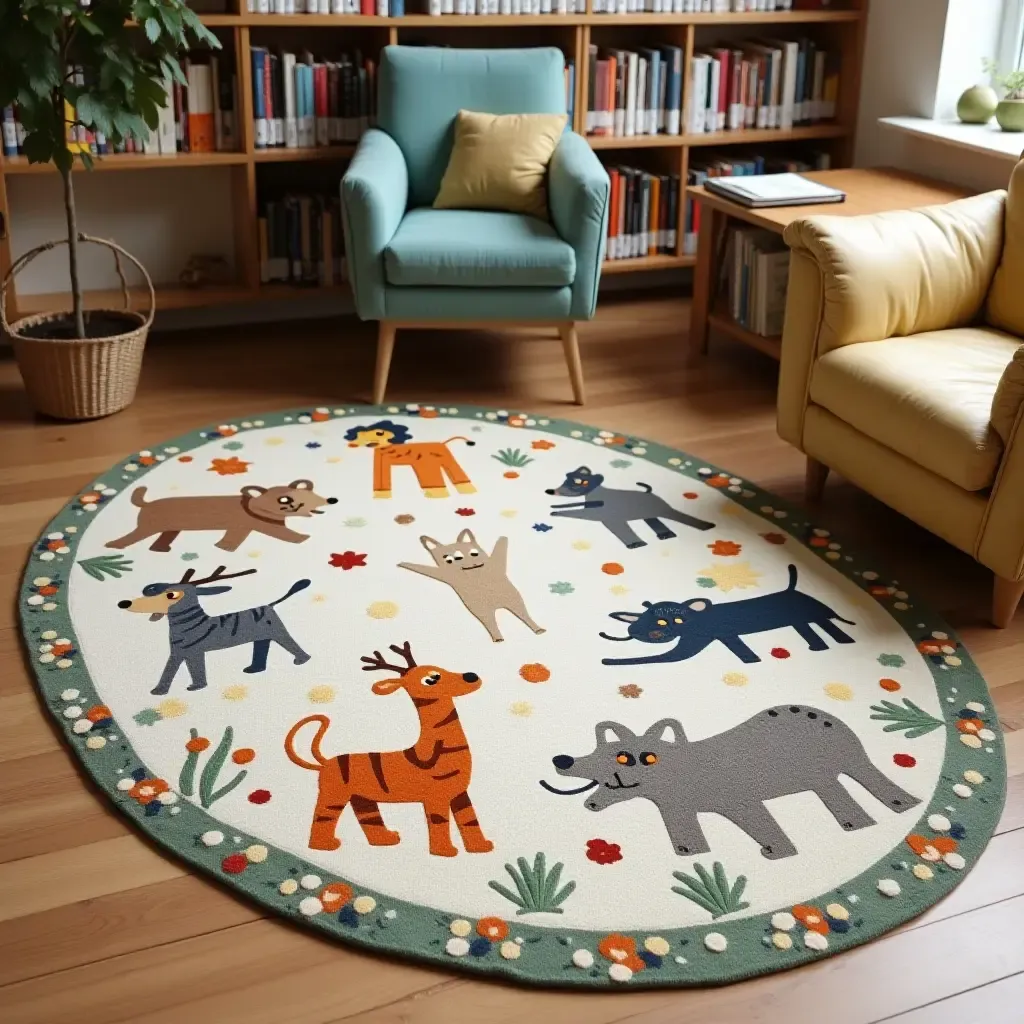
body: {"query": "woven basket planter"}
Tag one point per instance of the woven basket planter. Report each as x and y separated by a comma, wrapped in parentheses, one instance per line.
(80, 378)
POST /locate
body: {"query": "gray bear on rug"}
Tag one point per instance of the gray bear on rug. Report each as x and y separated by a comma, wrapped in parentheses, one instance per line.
(783, 750)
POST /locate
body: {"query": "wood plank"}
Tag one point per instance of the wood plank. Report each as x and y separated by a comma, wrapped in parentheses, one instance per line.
(998, 1001)
(18, 165)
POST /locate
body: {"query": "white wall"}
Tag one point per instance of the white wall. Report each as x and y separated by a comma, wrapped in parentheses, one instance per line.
(909, 71)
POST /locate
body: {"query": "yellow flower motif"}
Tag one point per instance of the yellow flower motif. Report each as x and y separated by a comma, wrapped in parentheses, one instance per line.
(923, 872)
(509, 513)
(288, 887)
(273, 442)
(735, 679)
(333, 459)
(172, 708)
(321, 694)
(460, 927)
(839, 691)
(237, 691)
(382, 610)
(318, 599)
(511, 950)
(731, 575)
(254, 554)
(780, 940)
(582, 545)
(618, 590)
(256, 854)
(363, 904)
(837, 911)
(657, 945)
(730, 509)
(521, 708)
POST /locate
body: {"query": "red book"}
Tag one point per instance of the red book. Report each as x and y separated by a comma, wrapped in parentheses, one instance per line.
(367, 7)
(723, 57)
(268, 105)
(321, 104)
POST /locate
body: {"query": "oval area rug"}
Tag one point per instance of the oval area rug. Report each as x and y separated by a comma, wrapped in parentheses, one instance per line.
(512, 694)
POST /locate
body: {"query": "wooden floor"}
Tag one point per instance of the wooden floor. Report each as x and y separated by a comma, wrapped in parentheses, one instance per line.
(95, 926)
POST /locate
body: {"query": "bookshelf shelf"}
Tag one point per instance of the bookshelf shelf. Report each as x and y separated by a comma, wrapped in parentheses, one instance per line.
(720, 320)
(842, 30)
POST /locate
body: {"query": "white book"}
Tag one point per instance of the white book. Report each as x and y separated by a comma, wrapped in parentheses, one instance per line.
(447, 6)
(818, 93)
(460, 6)
(517, 6)
(338, 7)
(291, 124)
(323, 7)
(787, 93)
(289, 6)
(545, 6)
(640, 113)
(166, 142)
(280, 7)
(711, 97)
(262, 6)
(250, 6)
(382, 8)
(434, 9)
(629, 127)
(311, 6)
(505, 7)
(698, 94)
(562, 7)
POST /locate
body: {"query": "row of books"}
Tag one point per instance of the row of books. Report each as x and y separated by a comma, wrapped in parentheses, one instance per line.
(757, 267)
(772, 83)
(396, 8)
(635, 92)
(689, 6)
(301, 102)
(643, 213)
(731, 166)
(301, 241)
(200, 118)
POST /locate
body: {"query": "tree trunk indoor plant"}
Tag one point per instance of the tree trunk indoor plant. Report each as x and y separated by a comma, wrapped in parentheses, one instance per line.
(100, 67)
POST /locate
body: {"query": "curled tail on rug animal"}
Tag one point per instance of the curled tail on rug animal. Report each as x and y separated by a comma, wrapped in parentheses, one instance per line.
(780, 751)
(697, 623)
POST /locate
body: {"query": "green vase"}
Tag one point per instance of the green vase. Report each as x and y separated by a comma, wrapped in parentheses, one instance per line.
(1010, 115)
(977, 105)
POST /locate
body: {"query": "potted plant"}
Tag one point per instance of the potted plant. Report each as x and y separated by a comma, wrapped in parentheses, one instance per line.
(1010, 112)
(102, 67)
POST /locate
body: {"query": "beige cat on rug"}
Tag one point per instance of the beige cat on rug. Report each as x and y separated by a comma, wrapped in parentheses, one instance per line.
(480, 580)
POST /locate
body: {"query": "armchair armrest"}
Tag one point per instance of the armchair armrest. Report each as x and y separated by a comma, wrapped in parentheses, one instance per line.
(863, 279)
(578, 189)
(374, 194)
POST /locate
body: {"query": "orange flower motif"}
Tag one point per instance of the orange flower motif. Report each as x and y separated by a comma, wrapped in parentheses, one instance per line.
(931, 849)
(621, 949)
(516, 421)
(60, 649)
(147, 460)
(492, 928)
(89, 498)
(717, 481)
(226, 431)
(146, 791)
(198, 745)
(429, 414)
(98, 713)
(811, 918)
(962, 724)
(228, 467)
(47, 591)
(878, 591)
(612, 568)
(542, 445)
(725, 547)
(318, 416)
(243, 755)
(511, 474)
(822, 542)
(889, 684)
(535, 673)
(335, 895)
(184, 458)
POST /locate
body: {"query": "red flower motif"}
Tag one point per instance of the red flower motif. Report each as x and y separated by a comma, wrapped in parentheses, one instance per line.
(228, 467)
(725, 547)
(691, 495)
(465, 511)
(601, 852)
(234, 864)
(347, 560)
(780, 652)
(184, 458)
(774, 538)
(259, 796)
(904, 760)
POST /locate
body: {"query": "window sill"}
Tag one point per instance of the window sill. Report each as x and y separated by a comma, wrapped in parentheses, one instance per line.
(987, 139)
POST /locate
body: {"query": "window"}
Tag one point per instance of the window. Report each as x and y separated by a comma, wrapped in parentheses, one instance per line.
(1011, 52)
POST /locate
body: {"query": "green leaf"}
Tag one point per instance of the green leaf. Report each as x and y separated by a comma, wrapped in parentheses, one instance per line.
(507, 893)
(152, 27)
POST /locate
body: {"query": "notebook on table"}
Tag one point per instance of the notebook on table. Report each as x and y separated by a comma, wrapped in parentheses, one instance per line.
(763, 190)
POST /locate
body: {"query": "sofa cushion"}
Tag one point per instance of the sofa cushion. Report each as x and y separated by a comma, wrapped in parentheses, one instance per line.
(1006, 299)
(1009, 396)
(928, 397)
(477, 249)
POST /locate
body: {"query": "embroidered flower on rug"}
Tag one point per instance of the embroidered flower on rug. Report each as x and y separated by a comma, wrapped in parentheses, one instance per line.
(405, 519)
(730, 576)
(543, 445)
(630, 690)
(774, 538)
(725, 547)
(347, 560)
(612, 569)
(601, 852)
(145, 791)
(542, 527)
(561, 588)
(231, 446)
(228, 467)
(521, 708)
(465, 511)
(621, 949)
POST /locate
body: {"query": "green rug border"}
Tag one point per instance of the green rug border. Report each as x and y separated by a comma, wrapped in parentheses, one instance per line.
(421, 933)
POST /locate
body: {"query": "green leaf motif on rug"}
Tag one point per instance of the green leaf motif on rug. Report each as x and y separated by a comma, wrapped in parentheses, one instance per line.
(910, 718)
(712, 890)
(537, 889)
(102, 566)
(512, 457)
(208, 779)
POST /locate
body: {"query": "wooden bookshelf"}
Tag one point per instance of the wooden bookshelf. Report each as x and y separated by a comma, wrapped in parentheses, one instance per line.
(843, 29)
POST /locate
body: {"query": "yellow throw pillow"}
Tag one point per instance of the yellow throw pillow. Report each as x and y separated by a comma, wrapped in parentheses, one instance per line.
(499, 162)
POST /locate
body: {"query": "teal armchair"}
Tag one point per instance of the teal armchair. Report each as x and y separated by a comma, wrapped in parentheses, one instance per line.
(413, 266)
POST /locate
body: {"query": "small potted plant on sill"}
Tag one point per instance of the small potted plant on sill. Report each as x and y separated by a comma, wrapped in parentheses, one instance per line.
(1010, 112)
(99, 67)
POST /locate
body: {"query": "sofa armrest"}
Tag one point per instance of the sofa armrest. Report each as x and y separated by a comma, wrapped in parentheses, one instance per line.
(374, 194)
(904, 272)
(1001, 546)
(578, 190)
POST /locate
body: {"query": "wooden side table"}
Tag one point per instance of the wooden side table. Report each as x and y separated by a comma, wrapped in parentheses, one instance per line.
(867, 191)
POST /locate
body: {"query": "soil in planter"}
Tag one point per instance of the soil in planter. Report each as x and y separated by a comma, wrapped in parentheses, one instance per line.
(99, 323)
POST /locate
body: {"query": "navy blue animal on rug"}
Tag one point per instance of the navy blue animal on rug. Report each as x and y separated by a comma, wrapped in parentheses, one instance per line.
(616, 508)
(194, 634)
(696, 624)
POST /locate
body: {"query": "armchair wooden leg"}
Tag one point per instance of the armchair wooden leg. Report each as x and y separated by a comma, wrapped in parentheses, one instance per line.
(1006, 595)
(571, 347)
(817, 474)
(385, 346)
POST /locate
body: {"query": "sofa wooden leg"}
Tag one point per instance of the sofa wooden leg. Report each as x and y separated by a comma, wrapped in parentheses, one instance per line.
(385, 346)
(571, 347)
(1006, 595)
(817, 474)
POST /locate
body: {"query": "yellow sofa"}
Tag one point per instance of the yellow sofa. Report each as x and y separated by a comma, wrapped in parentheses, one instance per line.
(903, 368)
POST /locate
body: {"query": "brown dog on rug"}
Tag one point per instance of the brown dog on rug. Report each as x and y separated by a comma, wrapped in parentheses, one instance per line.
(253, 510)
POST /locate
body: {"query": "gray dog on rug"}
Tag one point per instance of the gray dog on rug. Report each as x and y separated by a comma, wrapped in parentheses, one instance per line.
(783, 750)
